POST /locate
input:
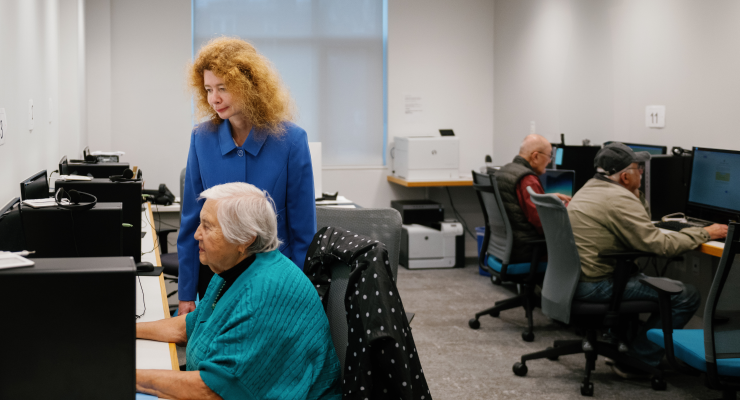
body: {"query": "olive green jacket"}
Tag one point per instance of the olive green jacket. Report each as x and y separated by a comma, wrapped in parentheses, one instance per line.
(606, 216)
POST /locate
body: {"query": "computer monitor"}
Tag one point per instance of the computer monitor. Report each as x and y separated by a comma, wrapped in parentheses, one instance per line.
(715, 180)
(653, 149)
(35, 187)
(579, 159)
(69, 330)
(558, 181)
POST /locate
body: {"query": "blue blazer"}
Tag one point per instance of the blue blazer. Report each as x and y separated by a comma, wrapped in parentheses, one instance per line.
(281, 165)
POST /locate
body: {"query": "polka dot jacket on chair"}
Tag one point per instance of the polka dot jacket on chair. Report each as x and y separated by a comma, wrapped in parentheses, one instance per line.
(381, 360)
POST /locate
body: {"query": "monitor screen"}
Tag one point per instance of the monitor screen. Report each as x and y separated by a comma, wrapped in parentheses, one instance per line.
(715, 179)
(579, 159)
(558, 181)
(35, 187)
(650, 148)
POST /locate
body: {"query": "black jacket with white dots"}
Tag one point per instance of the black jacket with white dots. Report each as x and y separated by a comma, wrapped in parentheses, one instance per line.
(381, 360)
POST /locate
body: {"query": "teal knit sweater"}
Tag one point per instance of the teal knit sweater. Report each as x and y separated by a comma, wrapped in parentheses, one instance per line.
(267, 338)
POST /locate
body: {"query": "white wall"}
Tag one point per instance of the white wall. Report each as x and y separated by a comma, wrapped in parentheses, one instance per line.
(40, 53)
(589, 68)
(440, 50)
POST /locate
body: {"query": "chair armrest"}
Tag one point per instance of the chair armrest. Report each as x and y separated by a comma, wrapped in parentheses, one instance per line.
(665, 289)
(162, 236)
(662, 285)
(623, 270)
(629, 255)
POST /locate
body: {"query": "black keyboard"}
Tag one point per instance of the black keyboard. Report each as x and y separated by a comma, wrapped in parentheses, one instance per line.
(677, 225)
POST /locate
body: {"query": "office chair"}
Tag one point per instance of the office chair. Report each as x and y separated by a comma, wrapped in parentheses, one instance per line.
(561, 279)
(383, 224)
(496, 259)
(169, 260)
(714, 350)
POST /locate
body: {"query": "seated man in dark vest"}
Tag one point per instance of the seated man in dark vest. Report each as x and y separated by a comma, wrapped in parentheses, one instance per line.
(513, 178)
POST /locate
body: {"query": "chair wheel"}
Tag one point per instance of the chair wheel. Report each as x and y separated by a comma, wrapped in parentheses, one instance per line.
(552, 358)
(658, 384)
(587, 389)
(495, 280)
(528, 336)
(520, 369)
(495, 314)
(474, 323)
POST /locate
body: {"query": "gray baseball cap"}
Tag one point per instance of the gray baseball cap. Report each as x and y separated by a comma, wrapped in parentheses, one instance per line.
(616, 156)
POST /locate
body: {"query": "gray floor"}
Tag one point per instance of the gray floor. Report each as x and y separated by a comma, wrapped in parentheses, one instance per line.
(461, 363)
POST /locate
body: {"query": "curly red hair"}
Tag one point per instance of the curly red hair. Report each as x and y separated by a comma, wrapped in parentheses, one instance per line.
(249, 76)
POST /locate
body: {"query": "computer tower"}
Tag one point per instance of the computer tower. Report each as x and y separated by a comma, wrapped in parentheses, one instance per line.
(69, 329)
(666, 184)
(96, 170)
(127, 193)
(59, 232)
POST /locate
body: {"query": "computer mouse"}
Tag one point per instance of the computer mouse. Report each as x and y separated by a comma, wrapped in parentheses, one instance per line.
(144, 266)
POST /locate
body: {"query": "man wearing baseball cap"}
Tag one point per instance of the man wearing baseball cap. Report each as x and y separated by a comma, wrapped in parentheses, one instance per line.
(610, 213)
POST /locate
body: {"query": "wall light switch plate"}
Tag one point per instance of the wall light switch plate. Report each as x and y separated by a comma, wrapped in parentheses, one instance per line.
(532, 128)
(51, 108)
(655, 116)
(3, 126)
(30, 115)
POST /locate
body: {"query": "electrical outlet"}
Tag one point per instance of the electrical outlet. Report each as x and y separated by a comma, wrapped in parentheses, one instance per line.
(51, 108)
(3, 126)
(695, 263)
(30, 115)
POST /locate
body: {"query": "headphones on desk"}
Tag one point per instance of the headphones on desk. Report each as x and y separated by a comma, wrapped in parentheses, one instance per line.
(74, 197)
(127, 176)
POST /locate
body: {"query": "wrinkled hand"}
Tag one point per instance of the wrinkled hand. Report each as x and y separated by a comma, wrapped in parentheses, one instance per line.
(716, 231)
(188, 306)
(565, 199)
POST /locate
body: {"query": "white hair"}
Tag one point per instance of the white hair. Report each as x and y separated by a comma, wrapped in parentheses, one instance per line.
(245, 212)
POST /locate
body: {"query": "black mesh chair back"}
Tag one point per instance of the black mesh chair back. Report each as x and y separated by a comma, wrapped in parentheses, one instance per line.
(335, 309)
(500, 236)
(563, 264)
(382, 224)
(722, 312)
(169, 260)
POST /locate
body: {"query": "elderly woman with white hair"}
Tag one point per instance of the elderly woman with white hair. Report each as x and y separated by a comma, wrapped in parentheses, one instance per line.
(260, 331)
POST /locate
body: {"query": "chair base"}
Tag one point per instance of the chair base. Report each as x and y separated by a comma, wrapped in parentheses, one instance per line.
(527, 299)
(591, 347)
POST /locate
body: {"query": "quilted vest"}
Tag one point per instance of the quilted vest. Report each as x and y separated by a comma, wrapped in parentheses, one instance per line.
(507, 178)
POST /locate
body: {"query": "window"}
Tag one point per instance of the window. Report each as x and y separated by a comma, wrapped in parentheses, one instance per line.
(330, 54)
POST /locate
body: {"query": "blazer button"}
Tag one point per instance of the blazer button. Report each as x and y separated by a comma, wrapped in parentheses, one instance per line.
(240, 152)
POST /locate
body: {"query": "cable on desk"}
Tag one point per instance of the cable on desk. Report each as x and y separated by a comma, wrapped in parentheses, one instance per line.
(156, 238)
(159, 219)
(458, 216)
(143, 300)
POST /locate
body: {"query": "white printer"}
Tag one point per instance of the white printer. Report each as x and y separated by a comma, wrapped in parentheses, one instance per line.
(427, 239)
(426, 158)
(425, 247)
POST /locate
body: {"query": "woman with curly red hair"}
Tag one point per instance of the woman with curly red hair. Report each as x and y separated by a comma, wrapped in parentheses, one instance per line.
(247, 137)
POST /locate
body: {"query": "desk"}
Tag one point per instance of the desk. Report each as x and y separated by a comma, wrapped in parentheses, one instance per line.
(463, 181)
(150, 354)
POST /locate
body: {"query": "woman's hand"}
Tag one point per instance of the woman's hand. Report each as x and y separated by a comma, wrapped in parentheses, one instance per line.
(185, 307)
